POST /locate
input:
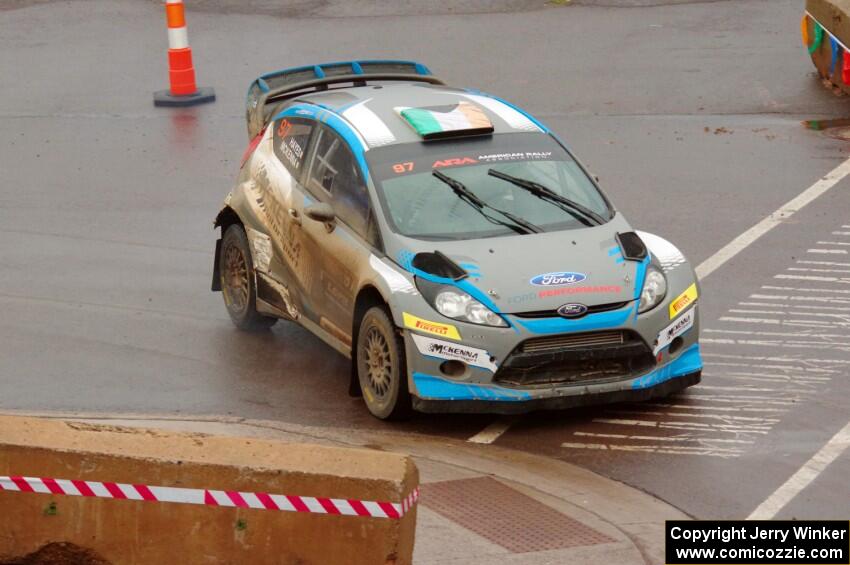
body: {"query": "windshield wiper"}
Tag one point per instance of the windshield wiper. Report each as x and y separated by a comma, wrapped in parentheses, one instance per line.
(585, 215)
(519, 224)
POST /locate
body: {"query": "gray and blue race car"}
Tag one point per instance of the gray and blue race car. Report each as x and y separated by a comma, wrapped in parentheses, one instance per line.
(450, 245)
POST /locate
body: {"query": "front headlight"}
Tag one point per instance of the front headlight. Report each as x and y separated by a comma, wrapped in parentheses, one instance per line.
(454, 303)
(654, 289)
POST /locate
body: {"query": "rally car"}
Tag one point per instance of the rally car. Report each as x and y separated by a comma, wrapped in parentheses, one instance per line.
(450, 245)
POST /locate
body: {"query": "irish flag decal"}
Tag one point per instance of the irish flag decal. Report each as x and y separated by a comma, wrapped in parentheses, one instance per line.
(435, 122)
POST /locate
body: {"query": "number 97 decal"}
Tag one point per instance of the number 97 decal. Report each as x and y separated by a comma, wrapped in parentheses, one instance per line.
(400, 168)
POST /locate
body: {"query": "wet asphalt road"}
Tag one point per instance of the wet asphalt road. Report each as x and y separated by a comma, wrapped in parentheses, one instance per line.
(689, 112)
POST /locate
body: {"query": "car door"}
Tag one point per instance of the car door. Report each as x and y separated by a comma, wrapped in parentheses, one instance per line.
(343, 247)
(291, 269)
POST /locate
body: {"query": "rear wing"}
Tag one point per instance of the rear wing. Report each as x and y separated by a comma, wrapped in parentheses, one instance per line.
(289, 83)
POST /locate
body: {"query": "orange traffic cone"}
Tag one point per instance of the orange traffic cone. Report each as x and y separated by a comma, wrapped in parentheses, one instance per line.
(181, 73)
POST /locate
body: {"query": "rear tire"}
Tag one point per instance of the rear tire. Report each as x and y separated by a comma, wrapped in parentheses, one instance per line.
(238, 287)
(382, 367)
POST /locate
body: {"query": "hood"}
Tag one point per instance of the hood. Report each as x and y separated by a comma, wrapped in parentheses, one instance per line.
(529, 273)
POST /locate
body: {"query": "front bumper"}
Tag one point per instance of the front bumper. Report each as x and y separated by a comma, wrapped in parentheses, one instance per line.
(661, 389)
(440, 394)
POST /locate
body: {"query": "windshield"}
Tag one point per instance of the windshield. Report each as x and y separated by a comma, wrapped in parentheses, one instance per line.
(422, 206)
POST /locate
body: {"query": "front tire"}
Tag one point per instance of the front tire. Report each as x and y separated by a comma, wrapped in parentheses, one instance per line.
(238, 286)
(382, 367)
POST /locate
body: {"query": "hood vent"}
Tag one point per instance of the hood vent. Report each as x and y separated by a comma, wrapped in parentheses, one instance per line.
(438, 265)
(632, 246)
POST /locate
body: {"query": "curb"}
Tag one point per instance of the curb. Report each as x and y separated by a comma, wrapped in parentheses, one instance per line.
(587, 496)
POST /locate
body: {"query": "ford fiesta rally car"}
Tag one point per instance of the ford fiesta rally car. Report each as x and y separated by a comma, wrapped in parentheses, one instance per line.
(450, 245)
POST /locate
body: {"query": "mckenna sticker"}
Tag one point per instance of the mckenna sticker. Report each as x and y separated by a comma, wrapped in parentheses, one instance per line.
(428, 327)
(558, 279)
(674, 330)
(454, 352)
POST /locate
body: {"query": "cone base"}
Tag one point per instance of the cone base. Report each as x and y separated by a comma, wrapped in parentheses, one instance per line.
(165, 98)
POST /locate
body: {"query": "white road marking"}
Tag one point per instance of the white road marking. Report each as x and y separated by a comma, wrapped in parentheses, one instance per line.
(778, 334)
(798, 306)
(664, 449)
(828, 251)
(728, 428)
(831, 263)
(833, 243)
(778, 344)
(841, 233)
(744, 240)
(810, 471)
(676, 439)
(780, 322)
(492, 432)
(715, 408)
(808, 270)
(812, 278)
(679, 414)
(832, 290)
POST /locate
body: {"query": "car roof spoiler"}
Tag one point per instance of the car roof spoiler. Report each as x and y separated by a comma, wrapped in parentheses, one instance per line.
(289, 83)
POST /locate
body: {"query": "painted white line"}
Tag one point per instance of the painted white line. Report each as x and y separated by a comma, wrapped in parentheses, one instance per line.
(492, 432)
(833, 243)
(686, 438)
(786, 378)
(798, 306)
(777, 344)
(828, 251)
(809, 270)
(663, 449)
(777, 334)
(744, 240)
(689, 426)
(780, 322)
(812, 278)
(744, 402)
(824, 263)
(826, 299)
(841, 233)
(715, 408)
(679, 414)
(833, 449)
(742, 388)
(832, 290)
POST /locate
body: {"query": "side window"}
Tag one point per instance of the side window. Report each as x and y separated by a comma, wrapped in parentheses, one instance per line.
(334, 171)
(290, 139)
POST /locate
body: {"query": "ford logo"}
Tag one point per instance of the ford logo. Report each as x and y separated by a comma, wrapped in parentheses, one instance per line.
(572, 310)
(557, 279)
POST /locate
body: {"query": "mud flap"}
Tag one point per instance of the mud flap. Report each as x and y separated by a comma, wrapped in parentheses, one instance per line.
(216, 276)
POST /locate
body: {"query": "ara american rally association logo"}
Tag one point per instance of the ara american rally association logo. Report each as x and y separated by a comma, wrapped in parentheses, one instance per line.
(558, 279)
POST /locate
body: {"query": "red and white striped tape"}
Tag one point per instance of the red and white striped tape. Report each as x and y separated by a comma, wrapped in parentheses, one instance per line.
(257, 500)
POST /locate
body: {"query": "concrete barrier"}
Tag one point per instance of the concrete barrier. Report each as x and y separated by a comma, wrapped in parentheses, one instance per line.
(834, 16)
(145, 496)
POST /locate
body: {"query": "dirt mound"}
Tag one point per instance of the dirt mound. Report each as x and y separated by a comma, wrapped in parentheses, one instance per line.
(59, 554)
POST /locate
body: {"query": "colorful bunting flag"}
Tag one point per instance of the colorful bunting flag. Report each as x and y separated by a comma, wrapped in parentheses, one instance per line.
(818, 39)
(804, 29)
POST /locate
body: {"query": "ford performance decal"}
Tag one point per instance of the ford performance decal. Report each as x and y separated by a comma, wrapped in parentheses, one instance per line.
(557, 279)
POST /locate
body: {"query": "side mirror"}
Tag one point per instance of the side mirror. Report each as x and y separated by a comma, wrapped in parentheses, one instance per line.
(320, 212)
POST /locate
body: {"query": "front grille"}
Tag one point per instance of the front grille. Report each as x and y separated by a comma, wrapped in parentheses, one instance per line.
(572, 341)
(593, 357)
(590, 310)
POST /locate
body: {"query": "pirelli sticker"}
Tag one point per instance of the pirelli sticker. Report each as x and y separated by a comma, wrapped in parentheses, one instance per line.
(428, 327)
(681, 303)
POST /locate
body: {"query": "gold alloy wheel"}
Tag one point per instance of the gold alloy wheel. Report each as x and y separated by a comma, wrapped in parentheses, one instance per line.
(235, 278)
(378, 362)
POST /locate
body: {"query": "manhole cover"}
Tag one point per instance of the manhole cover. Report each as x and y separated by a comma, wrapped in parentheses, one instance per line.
(506, 516)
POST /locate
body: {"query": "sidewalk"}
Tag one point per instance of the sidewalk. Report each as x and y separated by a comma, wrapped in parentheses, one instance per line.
(484, 504)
